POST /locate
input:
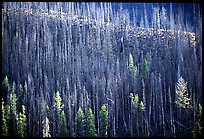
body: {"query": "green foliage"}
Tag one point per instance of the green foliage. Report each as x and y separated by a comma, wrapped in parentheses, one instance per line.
(13, 103)
(104, 120)
(137, 109)
(135, 71)
(132, 67)
(142, 107)
(135, 103)
(4, 123)
(134, 100)
(21, 123)
(80, 124)
(182, 99)
(144, 67)
(58, 101)
(63, 127)
(6, 82)
(7, 112)
(131, 64)
(91, 130)
(197, 129)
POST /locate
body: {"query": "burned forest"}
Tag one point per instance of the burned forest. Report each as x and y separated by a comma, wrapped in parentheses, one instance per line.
(72, 69)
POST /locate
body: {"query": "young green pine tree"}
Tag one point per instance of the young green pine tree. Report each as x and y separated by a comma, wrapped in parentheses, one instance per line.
(58, 108)
(7, 112)
(144, 67)
(13, 113)
(134, 114)
(21, 123)
(80, 123)
(141, 119)
(134, 101)
(58, 101)
(63, 122)
(131, 64)
(13, 103)
(104, 121)
(197, 129)
(132, 67)
(91, 130)
(142, 107)
(4, 122)
(6, 82)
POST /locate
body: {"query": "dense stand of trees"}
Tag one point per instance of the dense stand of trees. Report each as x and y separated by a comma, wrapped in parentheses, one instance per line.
(83, 69)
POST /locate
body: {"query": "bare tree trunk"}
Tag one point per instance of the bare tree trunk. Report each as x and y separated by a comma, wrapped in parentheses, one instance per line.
(162, 106)
(146, 131)
(172, 124)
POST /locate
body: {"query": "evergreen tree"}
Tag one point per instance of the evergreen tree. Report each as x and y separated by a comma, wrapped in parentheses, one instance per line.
(46, 127)
(91, 130)
(6, 82)
(182, 99)
(134, 114)
(4, 122)
(13, 103)
(104, 121)
(63, 122)
(144, 67)
(7, 112)
(197, 129)
(21, 123)
(142, 107)
(134, 101)
(80, 123)
(58, 107)
(131, 63)
(141, 119)
(58, 101)
(137, 110)
(132, 67)
(13, 112)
